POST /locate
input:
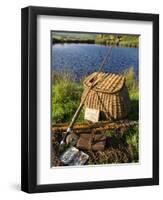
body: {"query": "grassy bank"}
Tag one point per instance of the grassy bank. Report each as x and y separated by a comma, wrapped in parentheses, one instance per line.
(121, 40)
(105, 39)
(68, 40)
(73, 38)
(66, 95)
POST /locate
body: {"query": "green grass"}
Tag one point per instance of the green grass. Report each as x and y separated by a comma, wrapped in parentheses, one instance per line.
(133, 89)
(132, 139)
(66, 96)
(105, 39)
(131, 82)
(132, 136)
(118, 40)
(65, 100)
(69, 39)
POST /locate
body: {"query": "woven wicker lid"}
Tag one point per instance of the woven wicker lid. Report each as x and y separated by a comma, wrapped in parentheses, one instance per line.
(108, 83)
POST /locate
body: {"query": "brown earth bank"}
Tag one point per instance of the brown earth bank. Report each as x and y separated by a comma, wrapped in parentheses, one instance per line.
(116, 150)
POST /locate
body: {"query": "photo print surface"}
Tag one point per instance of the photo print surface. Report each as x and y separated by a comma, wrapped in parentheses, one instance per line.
(94, 98)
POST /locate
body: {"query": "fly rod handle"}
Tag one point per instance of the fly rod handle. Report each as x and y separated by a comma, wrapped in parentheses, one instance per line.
(69, 129)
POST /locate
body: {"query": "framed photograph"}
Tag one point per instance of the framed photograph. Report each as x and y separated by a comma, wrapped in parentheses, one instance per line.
(90, 99)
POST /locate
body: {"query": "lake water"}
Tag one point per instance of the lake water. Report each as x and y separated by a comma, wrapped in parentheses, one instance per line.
(83, 59)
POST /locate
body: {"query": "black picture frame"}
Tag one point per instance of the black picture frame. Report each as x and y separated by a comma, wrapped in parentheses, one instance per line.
(29, 98)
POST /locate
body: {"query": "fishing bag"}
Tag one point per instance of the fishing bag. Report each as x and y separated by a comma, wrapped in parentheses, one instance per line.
(94, 141)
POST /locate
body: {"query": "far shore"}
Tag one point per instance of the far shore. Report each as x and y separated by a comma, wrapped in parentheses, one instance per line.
(56, 41)
(124, 41)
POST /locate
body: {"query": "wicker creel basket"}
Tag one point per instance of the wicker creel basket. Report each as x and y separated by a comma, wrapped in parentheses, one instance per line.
(110, 95)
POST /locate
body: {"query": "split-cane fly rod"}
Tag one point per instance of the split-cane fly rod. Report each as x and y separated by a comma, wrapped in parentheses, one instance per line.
(94, 83)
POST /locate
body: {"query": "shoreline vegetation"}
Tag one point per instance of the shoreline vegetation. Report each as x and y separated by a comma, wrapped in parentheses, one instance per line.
(103, 39)
(66, 94)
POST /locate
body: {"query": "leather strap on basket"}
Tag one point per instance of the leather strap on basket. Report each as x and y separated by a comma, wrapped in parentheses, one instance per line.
(91, 139)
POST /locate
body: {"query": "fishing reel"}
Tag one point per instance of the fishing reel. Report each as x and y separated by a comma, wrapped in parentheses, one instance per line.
(69, 138)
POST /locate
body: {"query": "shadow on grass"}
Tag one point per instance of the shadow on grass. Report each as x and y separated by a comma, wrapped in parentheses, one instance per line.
(134, 112)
